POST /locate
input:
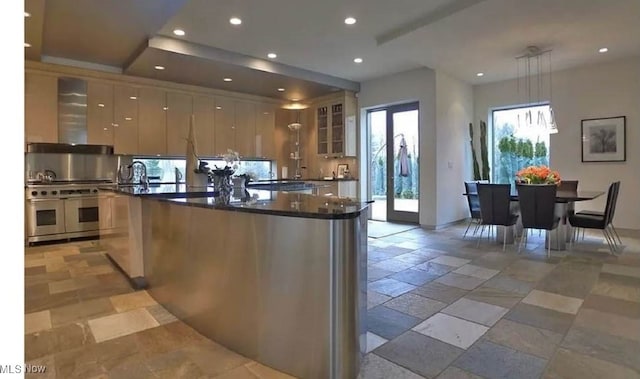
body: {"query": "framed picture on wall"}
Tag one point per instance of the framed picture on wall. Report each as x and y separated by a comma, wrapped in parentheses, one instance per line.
(604, 139)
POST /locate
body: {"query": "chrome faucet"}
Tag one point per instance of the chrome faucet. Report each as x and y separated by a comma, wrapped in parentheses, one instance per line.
(144, 179)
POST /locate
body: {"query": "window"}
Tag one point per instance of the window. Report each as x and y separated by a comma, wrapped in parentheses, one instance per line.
(520, 139)
(163, 169)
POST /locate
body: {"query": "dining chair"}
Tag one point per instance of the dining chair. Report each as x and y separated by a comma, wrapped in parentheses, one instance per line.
(601, 220)
(471, 190)
(537, 209)
(568, 185)
(600, 213)
(495, 207)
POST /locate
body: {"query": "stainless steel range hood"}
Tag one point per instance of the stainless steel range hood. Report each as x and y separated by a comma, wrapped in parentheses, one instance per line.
(72, 110)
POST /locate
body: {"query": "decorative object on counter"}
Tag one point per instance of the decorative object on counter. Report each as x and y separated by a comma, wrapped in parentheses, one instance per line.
(178, 175)
(604, 140)
(343, 171)
(193, 176)
(538, 175)
(222, 198)
(221, 177)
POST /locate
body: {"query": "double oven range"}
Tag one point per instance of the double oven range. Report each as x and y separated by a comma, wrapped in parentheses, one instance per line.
(59, 210)
(61, 189)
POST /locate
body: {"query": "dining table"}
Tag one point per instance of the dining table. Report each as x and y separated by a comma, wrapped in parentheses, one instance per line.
(565, 203)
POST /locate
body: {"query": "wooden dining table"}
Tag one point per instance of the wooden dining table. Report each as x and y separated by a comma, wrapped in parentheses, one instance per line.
(565, 202)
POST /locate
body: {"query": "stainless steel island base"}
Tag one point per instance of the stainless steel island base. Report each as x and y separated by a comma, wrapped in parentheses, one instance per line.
(288, 292)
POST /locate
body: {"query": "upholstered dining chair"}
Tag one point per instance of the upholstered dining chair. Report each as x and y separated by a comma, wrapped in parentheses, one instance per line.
(568, 185)
(602, 221)
(471, 189)
(495, 207)
(537, 209)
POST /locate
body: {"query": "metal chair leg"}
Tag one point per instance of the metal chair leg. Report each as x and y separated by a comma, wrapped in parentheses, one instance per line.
(466, 230)
(504, 238)
(616, 233)
(523, 238)
(548, 238)
(480, 238)
(607, 238)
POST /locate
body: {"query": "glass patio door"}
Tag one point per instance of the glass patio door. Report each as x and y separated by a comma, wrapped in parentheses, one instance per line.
(394, 180)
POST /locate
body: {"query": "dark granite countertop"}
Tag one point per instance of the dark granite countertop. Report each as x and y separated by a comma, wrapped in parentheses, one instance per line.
(160, 190)
(280, 203)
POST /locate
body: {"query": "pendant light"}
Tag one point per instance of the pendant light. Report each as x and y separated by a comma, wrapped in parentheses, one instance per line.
(530, 87)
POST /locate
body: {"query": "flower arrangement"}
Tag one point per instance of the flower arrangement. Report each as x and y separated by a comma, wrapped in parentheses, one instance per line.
(538, 175)
(231, 160)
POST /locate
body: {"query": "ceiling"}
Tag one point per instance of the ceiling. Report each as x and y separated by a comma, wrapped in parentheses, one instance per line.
(316, 49)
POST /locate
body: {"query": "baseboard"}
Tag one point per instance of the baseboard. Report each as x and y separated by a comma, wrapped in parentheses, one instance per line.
(446, 225)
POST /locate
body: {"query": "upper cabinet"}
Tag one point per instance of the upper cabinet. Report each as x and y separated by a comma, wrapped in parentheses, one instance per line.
(152, 121)
(178, 119)
(245, 128)
(225, 118)
(125, 119)
(336, 126)
(204, 118)
(235, 127)
(265, 145)
(100, 113)
(41, 108)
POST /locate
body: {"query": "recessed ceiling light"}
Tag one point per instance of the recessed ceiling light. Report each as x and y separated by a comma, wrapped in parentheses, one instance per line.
(349, 20)
(227, 79)
(358, 60)
(159, 67)
(179, 32)
(27, 44)
(218, 107)
(272, 55)
(480, 74)
(603, 50)
(133, 97)
(27, 14)
(104, 129)
(295, 99)
(165, 108)
(100, 105)
(280, 89)
(235, 21)
(128, 119)
(265, 112)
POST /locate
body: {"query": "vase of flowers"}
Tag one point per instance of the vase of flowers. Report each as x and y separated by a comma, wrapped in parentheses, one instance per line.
(221, 177)
(538, 175)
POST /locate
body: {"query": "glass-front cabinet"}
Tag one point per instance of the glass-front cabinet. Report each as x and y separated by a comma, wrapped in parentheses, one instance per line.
(336, 126)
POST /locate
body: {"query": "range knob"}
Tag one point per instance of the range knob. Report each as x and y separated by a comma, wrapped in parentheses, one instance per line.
(95, 191)
(54, 192)
(34, 193)
(43, 193)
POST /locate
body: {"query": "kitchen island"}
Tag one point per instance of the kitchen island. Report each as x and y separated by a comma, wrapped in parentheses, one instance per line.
(279, 277)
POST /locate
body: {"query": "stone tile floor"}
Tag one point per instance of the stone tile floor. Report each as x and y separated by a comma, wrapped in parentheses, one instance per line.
(441, 308)
(83, 320)
(438, 308)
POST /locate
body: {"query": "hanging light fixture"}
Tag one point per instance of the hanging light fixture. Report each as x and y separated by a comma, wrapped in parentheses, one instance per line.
(531, 88)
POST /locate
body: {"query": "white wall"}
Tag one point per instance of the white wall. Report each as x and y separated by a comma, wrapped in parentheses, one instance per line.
(454, 111)
(604, 90)
(415, 85)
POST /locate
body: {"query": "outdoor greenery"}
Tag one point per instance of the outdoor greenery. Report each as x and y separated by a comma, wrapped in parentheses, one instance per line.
(404, 187)
(516, 154)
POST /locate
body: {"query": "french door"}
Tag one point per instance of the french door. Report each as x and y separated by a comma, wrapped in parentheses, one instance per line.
(394, 174)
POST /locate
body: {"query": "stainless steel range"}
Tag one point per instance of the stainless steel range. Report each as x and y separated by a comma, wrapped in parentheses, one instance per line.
(62, 210)
(61, 191)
